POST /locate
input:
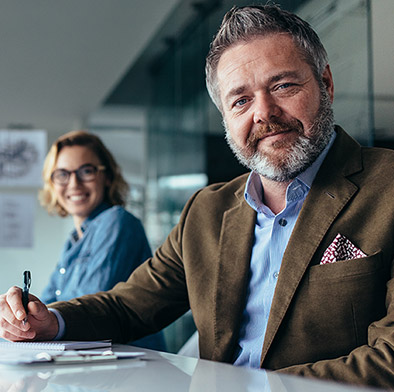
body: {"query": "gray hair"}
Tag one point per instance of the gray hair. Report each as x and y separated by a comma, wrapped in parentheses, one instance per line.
(242, 23)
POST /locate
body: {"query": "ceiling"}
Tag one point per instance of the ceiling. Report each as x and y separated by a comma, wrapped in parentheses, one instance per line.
(59, 59)
(62, 59)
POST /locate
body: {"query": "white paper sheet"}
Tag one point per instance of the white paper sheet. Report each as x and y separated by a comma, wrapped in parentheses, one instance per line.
(16, 217)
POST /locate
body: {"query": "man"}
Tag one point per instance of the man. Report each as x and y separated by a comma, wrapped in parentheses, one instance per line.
(288, 268)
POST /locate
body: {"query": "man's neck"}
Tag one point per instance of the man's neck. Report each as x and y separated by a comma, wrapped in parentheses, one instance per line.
(274, 194)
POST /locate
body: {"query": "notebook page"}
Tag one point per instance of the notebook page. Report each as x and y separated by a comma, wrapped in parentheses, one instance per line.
(60, 345)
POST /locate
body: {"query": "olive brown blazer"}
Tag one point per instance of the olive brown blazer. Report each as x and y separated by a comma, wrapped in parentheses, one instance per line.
(333, 321)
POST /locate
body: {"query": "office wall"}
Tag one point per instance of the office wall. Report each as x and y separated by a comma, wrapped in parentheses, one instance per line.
(49, 233)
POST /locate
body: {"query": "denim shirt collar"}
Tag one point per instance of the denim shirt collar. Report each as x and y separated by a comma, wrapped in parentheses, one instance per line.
(254, 191)
(85, 224)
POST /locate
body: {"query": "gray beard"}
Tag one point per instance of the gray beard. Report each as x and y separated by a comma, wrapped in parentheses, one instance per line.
(299, 156)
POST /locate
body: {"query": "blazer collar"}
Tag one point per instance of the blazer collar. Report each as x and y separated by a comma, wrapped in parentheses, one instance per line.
(235, 246)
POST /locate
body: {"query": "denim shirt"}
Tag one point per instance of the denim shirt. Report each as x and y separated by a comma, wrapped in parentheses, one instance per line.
(113, 245)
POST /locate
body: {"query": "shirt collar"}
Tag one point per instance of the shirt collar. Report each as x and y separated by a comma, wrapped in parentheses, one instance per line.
(254, 191)
(98, 210)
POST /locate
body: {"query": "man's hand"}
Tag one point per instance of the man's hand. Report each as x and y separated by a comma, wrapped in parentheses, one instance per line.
(41, 323)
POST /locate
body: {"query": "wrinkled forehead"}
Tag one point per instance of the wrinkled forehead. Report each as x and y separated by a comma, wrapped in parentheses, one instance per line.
(261, 58)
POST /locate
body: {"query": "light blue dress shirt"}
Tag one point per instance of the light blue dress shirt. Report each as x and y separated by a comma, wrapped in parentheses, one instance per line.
(272, 233)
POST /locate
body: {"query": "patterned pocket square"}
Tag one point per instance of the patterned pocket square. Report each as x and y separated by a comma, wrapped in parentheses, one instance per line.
(341, 249)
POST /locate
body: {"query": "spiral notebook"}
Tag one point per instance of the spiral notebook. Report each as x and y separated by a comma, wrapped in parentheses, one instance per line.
(62, 353)
(59, 345)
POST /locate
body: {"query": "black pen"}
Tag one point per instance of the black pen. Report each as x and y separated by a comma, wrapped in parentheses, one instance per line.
(25, 292)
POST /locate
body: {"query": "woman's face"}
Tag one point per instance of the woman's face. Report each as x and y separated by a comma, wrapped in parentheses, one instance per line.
(77, 197)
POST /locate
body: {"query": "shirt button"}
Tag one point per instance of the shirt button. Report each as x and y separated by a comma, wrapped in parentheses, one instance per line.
(58, 292)
(282, 222)
(62, 271)
(276, 274)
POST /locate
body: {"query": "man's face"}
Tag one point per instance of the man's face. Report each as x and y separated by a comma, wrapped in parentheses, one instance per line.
(277, 117)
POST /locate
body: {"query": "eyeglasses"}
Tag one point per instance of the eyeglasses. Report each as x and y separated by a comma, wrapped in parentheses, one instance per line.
(85, 173)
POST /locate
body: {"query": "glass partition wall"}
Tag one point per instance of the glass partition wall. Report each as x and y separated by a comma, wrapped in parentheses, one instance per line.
(344, 28)
(184, 128)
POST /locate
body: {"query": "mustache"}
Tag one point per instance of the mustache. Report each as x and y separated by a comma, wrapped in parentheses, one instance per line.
(272, 128)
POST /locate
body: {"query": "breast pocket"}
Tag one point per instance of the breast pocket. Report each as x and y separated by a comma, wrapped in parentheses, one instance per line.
(352, 295)
(347, 269)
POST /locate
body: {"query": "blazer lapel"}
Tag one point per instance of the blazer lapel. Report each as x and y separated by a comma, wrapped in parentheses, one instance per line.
(236, 241)
(329, 193)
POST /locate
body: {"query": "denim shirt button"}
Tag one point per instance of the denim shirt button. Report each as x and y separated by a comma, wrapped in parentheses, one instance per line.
(62, 271)
(58, 292)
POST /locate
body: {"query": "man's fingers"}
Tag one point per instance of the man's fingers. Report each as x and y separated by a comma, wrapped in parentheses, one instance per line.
(38, 310)
(7, 315)
(12, 332)
(20, 336)
(41, 323)
(14, 301)
(12, 315)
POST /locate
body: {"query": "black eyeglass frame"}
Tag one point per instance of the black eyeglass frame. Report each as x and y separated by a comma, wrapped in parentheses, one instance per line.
(97, 169)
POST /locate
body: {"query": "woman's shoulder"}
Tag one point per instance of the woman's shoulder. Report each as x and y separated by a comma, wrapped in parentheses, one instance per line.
(117, 215)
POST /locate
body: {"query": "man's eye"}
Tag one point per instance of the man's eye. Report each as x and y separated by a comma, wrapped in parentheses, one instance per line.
(241, 102)
(284, 86)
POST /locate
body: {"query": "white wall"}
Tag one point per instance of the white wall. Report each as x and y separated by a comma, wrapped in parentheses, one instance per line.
(49, 235)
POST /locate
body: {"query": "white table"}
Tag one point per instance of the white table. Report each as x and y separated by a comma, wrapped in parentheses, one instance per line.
(157, 371)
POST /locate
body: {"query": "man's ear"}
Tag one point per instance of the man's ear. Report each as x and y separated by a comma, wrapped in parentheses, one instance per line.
(328, 82)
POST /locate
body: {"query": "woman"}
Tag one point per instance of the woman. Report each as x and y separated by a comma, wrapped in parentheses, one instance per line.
(82, 179)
